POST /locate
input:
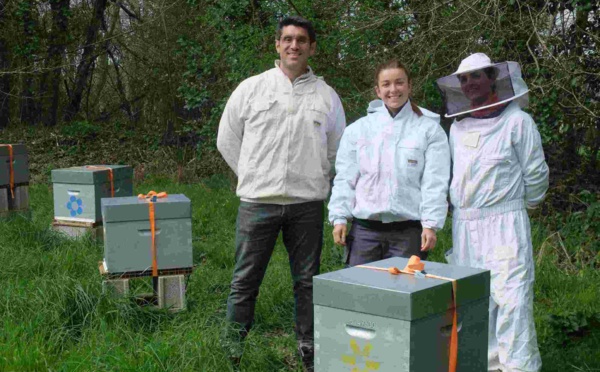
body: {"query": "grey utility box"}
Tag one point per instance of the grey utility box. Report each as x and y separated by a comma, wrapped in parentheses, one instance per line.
(372, 320)
(78, 190)
(20, 165)
(128, 238)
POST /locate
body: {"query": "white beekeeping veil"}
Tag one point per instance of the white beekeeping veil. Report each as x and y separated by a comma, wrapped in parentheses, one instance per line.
(509, 85)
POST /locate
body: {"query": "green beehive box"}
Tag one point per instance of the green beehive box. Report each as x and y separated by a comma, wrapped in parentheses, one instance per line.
(20, 165)
(78, 190)
(128, 239)
(373, 320)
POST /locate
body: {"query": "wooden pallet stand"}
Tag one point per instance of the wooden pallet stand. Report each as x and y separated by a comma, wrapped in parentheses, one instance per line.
(171, 287)
(78, 229)
(20, 203)
(4, 211)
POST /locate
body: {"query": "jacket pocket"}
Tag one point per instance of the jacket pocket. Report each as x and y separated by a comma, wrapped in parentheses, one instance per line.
(318, 121)
(410, 162)
(495, 169)
(263, 112)
(261, 104)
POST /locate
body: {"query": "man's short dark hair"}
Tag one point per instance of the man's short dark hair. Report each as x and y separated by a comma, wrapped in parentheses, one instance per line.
(298, 22)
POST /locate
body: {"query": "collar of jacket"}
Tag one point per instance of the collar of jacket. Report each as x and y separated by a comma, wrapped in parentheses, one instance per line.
(378, 107)
(307, 76)
(507, 110)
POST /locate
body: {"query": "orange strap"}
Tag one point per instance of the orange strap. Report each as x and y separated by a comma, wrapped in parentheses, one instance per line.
(150, 198)
(11, 171)
(414, 264)
(454, 334)
(110, 177)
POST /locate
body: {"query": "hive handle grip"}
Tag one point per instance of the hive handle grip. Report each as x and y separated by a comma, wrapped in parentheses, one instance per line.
(148, 232)
(73, 192)
(447, 330)
(360, 332)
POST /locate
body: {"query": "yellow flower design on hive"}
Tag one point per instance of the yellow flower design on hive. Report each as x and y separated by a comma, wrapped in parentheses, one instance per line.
(360, 354)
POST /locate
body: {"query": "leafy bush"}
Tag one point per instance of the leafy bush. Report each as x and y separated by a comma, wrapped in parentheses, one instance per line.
(572, 326)
(574, 243)
(80, 130)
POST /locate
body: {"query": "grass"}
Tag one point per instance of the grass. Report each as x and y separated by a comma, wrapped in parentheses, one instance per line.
(54, 317)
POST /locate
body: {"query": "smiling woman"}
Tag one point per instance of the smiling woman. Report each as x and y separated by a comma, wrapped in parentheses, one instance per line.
(394, 88)
(392, 176)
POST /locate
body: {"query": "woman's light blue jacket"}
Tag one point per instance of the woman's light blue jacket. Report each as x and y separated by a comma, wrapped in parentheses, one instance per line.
(392, 169)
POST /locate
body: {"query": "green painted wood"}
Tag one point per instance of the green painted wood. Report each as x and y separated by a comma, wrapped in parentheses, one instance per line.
(345, 337)
(90, 176)
(20, 165)
(78, 191)
(366, 318)
(135, 209)
(402, 296)
(127, 236)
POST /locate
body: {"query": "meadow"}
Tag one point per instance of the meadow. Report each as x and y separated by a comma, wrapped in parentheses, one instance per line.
(54, 316)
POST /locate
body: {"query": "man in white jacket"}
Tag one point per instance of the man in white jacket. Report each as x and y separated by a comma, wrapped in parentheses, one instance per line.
(279, 133)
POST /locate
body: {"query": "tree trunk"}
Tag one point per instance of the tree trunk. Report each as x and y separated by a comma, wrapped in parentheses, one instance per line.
(50, 84)
(4, 76)
(28, 105)
(87, 59)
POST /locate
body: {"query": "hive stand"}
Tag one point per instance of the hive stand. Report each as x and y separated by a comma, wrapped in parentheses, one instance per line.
(171, 287)
(78, 229)
(20, 203)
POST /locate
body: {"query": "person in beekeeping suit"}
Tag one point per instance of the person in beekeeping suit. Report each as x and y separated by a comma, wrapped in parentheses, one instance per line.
(498, 171)
(392, 172)
(279, 133)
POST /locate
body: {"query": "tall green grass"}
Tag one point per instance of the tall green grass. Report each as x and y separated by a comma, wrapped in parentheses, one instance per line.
(54, 316)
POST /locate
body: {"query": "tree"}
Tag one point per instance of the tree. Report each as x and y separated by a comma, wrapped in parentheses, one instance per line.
(50, 82)
(4, 66)
(88, 57)
(29, 108)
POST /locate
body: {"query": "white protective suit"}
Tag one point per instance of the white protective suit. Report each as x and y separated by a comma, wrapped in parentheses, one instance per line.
(280, 138)
(392, 169)
(498, 170)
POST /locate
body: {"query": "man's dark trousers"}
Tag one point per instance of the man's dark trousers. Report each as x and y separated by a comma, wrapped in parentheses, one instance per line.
(258, 226)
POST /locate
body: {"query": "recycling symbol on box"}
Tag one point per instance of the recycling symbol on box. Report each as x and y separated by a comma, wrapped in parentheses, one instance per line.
(75, 206)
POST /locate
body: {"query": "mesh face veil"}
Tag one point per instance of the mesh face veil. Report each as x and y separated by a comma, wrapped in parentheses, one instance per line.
(501, 82)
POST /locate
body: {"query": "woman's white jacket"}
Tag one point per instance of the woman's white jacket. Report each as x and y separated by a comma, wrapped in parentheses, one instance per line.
(392, 169)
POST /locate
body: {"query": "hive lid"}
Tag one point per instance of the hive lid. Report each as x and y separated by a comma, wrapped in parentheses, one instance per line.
(131, 208)
(17, 150)
(91, 174)
(401, 296)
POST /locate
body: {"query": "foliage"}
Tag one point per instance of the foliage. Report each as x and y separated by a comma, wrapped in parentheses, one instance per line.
(574, 244)
(166, 69)
(567, 328)
(80, 129)
(81, 143)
